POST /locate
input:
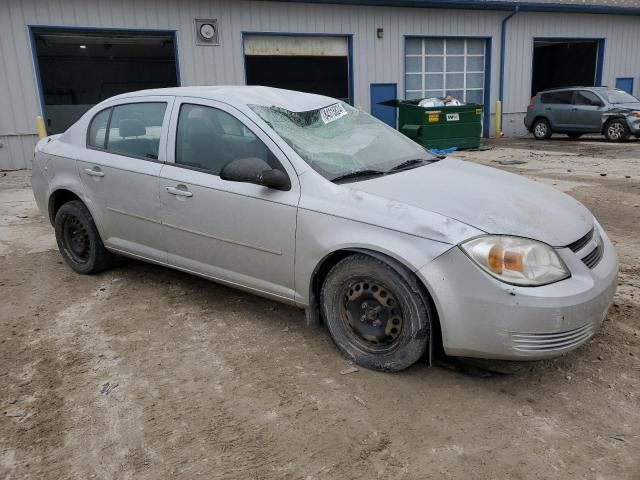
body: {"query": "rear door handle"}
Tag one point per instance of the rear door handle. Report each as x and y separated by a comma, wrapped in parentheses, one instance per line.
(574, 109)
(94, 172)
(548, 108)
(180, 192)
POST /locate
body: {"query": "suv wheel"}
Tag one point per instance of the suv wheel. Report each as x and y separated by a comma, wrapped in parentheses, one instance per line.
(374, 315)
(616, 130)
(541, 129)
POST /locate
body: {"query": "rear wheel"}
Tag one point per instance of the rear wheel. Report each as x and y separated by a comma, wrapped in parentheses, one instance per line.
(374, 315)
(616, 130)
(574, 136)
(78, 239)
(541, 129)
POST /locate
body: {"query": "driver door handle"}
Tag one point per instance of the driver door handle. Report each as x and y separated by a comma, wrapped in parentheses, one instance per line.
(93, 173)
(179, 192)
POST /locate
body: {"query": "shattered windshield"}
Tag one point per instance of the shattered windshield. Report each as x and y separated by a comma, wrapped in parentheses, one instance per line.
(338, 140)
(619, 96)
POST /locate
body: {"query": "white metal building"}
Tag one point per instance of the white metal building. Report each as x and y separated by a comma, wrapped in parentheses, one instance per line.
(59, 58)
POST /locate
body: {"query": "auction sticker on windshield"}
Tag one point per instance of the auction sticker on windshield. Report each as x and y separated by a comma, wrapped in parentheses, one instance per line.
(332, 113)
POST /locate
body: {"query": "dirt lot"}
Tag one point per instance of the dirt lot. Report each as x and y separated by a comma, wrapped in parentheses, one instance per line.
(143, 372)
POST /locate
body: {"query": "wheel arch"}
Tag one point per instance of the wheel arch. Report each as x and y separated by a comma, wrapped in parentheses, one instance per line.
(59, 197)
(539, 117)
(610, 119)
(419, 286)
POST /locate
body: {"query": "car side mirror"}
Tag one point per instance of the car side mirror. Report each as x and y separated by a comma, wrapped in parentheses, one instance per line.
(257, 171)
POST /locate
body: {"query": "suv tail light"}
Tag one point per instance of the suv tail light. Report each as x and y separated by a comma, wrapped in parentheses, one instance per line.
(533, 100)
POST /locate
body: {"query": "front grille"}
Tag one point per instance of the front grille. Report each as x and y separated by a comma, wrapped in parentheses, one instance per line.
(581, 242)
(592, 258)
(550, 342)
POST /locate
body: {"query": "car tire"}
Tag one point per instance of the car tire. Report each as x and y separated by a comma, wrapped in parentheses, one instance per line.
(616, 130)
(78, 239)
(574, 136)
(377, 317)
(541, 129)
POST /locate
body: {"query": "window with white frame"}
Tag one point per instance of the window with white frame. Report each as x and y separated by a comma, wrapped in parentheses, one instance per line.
(436, 67)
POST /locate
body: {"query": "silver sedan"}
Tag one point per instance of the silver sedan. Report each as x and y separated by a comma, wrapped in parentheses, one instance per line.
(306, 200)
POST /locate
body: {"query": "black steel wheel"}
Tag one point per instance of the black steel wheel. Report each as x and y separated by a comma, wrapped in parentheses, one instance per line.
(377, 317)
(78, 239)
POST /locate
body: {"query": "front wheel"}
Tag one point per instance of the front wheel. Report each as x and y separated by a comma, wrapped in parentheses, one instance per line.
(78, 239)
(375, 316)
(616, 130)
(541, 129)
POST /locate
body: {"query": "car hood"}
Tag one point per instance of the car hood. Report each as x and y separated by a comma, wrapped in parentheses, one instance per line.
(625, 107)
(488, 199)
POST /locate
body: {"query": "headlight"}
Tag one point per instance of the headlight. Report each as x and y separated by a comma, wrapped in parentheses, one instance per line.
(517, 260)
(635, 114)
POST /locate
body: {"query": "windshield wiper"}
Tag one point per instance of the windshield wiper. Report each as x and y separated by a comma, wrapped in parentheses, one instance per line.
(356, 174)
(413, 163)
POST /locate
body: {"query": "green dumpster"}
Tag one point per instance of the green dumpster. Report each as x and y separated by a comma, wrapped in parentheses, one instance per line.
(441, 127)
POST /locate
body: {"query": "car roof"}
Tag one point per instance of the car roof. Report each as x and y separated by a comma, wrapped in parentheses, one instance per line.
(578, 87)
(243, 95)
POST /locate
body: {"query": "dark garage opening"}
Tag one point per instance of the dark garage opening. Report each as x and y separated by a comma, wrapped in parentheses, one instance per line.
(79, 68)
(323, 75)
(564, 63)
(309, 63)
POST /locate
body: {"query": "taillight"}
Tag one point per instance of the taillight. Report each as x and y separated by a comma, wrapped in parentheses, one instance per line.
(533, 100)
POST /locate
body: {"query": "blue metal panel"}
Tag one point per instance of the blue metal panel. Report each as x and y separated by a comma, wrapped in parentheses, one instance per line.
(626, 84)
(381, 92)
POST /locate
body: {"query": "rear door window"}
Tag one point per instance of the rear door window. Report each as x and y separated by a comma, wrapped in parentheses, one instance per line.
(135, 129)
(562, 97)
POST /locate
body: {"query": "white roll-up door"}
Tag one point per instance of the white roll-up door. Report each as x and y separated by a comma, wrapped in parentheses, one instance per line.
(295, 45)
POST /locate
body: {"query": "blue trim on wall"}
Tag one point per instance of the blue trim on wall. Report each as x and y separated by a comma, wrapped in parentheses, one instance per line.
(34, 52)
(503, 46)
(36, 69)
(348, 36)
(600, 62)
(486, 108)
(599, 56)
(485, 5)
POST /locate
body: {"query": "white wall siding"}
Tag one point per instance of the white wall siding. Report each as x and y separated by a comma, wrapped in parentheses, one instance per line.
(374, 60)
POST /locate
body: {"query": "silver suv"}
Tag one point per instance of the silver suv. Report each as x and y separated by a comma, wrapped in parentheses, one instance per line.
(577, 110)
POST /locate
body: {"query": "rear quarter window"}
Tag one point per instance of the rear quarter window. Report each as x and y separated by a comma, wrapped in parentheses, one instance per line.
(560, 97)
(97, 134)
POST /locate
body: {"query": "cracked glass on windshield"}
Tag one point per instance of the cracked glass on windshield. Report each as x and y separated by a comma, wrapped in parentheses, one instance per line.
(339, 139)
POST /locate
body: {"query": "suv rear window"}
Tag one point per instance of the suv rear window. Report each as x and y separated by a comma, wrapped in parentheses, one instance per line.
(562, 97)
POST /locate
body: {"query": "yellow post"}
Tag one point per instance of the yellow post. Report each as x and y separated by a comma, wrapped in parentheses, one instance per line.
(42, 130)
(498, 132)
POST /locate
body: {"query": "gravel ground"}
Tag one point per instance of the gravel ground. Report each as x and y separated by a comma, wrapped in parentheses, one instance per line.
(143, 372)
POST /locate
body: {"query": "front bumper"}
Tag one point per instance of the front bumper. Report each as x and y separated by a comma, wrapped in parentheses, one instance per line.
(484, 318)
(634, 124)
